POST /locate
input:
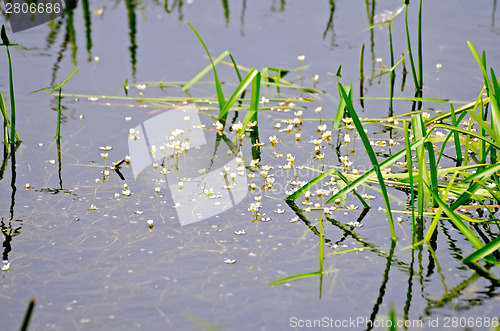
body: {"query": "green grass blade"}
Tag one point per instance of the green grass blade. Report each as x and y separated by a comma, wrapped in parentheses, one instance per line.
(370, 173)
(218, 86)
(12, 101)
(417, 99)
(468, 234)
(495, 111)
(205, 70)
(371, 155)
(420, 50)
(484, 173)
(409, 163)
(467, 132)
(235, 67)
(236, 94)
(340, 111)
(345, 180)
(58, 129)
(254, 103)
(412, 63)
(456, 137)
(434, 222)
(311, 183)
(423, 175)
(321, 244)
(5, 117)
(287, 279)
(392, 69)
(201, 322)
(483, 251)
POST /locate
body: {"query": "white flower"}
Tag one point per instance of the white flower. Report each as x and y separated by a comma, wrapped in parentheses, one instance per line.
(6, 265)
(317, 141)
(320, 156)
(273, 140)
(352, 207)
(219, 126)
(322, 128)
(347, 138)
(301, 58)
(104, 155)
(177, 132)
(237, 126)
(254, 207)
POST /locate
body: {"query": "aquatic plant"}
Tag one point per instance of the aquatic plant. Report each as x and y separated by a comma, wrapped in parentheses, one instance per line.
(6, 122)
(253, 76)
(464, 186)
(58, 87)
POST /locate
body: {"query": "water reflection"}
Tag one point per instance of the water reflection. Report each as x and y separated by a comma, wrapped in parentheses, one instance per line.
(67, 23)
(329, 24)
(88, 29)
(8, 228)
(455, 298)
(132, 25)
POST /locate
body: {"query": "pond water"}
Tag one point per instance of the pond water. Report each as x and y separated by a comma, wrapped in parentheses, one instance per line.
(81, 245)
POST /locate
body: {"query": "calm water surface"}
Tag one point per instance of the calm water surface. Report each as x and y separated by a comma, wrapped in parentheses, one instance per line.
(104, 269)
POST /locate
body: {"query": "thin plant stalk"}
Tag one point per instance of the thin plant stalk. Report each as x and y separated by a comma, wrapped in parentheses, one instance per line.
(6, 42)
(393, 74)
(420, 51)
(58, 130)
(12, 102)
(408, 40)
(361, 75)
(59, 88)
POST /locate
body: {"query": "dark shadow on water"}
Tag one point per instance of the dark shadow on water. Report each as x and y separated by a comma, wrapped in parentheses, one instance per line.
(329, 24)
(132, 25)
(383, 286)
(88, 28)
(8, 229)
